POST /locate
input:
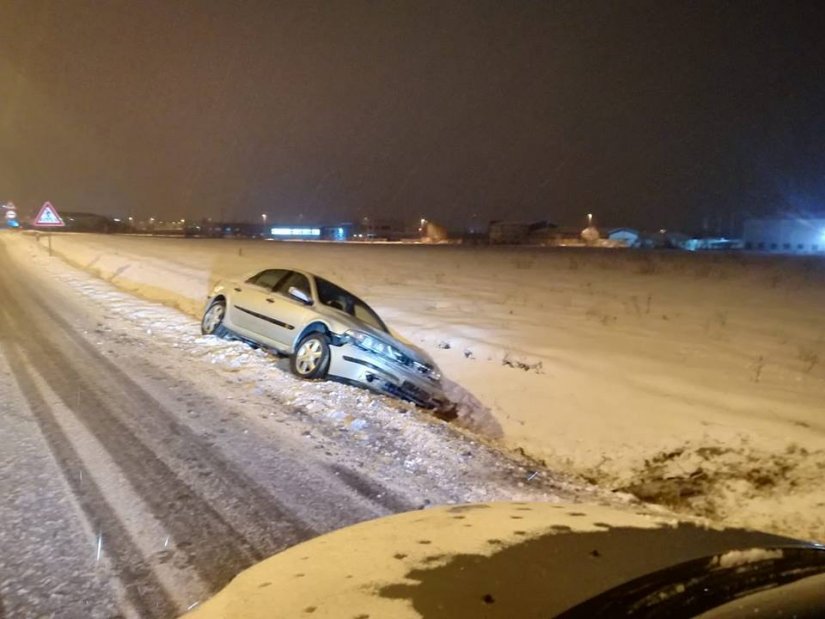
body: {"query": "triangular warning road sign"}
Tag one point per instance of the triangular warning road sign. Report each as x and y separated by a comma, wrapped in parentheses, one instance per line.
(48, 217)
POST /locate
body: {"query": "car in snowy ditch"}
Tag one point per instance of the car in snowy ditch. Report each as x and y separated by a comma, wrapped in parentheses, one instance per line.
(325, 331)
(525, 560)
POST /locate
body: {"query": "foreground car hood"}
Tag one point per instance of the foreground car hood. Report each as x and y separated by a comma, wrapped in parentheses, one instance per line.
(498, 560)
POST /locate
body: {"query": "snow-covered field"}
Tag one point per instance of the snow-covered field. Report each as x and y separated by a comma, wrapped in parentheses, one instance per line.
(695, 381)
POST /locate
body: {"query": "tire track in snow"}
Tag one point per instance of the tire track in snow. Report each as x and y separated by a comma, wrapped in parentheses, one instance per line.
(74, 370)
(144, 592)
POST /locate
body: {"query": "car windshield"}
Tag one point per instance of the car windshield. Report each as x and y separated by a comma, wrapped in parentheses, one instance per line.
(336, 297)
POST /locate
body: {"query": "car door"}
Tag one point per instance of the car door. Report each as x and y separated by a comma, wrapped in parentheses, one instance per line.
(248, 310)
(289, 315)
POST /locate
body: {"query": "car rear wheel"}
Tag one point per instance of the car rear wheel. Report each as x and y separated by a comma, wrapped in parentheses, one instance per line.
(212, 323)
(311, 357)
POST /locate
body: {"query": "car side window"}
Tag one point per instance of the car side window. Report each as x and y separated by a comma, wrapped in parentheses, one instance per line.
(267, 279)
(294, 280)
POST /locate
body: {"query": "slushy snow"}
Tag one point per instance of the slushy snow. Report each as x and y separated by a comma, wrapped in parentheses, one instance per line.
(695, 381)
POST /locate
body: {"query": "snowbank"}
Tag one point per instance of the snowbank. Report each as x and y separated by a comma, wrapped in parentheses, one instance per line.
(692, 380)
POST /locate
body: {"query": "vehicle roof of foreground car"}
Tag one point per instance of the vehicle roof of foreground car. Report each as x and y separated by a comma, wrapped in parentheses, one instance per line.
(517, 560)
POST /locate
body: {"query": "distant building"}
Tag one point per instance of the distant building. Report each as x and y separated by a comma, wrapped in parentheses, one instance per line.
(541, 233)
(591, 235)
(660, 239)
(567, 236)
(295, 233)
(712, 244)
(627, 237)
(340, 232)
(519, 232)
(679, 240)
(90, 222)
(371, 229)
(508, 232)
(789, 235)
(432, 232)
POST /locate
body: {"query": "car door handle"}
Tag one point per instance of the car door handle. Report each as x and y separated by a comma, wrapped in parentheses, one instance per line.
(238, 290)
(270, 300)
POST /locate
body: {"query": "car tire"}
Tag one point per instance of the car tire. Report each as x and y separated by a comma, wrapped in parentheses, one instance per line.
(311, 357)
(212, 321)
(447, 411)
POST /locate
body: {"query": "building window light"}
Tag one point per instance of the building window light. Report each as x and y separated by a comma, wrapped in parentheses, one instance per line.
(295, 231)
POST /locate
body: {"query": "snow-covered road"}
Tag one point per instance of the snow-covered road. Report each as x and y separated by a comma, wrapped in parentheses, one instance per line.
(143, 465)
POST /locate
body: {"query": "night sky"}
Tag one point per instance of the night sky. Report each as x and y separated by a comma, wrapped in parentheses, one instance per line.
(651, 114)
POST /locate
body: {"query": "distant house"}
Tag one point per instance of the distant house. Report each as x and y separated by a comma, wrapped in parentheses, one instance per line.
(789, 235)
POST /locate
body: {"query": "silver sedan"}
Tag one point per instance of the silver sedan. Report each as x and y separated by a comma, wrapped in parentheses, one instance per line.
(325, 331)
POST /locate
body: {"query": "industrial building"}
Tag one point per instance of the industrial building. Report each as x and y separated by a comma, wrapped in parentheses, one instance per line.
(515, 233)
(789, 235)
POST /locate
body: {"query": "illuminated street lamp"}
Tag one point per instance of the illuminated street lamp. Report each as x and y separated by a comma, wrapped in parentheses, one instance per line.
(263, 216)
(590, 219)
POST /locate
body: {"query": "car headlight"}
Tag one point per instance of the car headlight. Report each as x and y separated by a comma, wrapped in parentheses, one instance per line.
(428, 369)
(372, 344)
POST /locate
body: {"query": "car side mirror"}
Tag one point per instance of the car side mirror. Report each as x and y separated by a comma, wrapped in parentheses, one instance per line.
(299, 295)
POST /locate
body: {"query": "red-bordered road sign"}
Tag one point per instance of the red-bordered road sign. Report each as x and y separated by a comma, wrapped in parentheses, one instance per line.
(48, 217)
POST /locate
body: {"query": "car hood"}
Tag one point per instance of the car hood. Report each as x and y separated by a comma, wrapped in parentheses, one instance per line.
(521, 559)
(342, 322)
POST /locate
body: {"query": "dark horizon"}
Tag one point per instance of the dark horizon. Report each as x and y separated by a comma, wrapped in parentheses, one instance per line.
(646, 114)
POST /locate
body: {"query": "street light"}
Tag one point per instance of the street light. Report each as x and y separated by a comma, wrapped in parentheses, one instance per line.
(263, 216)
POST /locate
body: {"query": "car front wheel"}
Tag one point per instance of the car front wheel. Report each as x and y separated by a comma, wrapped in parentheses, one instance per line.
(311, 357)
(212, 323)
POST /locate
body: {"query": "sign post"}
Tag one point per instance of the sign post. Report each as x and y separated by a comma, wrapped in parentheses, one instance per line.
(48, 217)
